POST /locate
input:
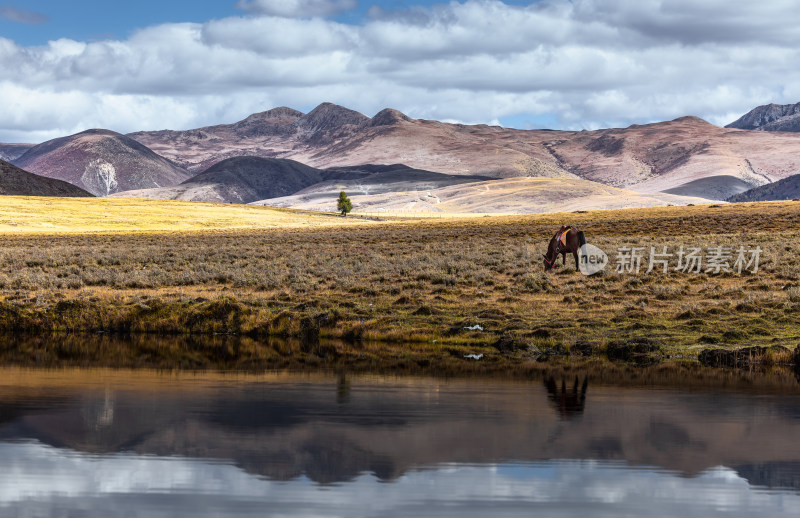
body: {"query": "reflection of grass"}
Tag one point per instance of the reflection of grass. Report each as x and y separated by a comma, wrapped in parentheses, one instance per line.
(217, 358)
(761, 380)
(396, 281)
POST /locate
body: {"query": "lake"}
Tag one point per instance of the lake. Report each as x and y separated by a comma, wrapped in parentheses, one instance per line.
(97, 442)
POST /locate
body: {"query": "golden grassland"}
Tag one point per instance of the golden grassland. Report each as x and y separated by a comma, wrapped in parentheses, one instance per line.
(25, 214)
(371, 293)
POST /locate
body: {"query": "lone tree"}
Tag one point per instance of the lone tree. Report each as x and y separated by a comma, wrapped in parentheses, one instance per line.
(343, 204)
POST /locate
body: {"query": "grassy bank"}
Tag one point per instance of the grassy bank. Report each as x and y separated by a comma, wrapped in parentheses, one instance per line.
(454, 287)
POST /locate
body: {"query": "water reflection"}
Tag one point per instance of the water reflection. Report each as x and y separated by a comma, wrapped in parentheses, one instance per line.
(568, 403)
(102, 440)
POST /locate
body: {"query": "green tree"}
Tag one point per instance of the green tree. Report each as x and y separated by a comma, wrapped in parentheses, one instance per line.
(343, 204)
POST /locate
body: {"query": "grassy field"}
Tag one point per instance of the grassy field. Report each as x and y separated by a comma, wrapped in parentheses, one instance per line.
(393, 291)
(24, 215)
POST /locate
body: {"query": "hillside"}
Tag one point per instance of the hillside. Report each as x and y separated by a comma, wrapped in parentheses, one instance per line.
(786, 189)
(101, 162)
(770, 117)
(15, 181)
(249, 179)
(238, 180)
(505, 196)
(649, 158)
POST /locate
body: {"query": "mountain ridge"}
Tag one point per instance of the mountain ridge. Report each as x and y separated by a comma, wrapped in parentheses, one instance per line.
(770, 117)
(650, 158)
(685, 156)
(786, 189)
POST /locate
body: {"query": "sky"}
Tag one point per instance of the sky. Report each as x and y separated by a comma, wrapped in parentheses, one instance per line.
(560, 64)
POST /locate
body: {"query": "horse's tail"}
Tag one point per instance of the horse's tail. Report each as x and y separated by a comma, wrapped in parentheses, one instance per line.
(581, 238)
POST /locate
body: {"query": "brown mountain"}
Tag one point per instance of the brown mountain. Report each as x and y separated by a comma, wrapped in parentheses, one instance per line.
(102, 162)
(687, 156)
(770, 117)
(15, 181)
(238, 180)
(249, 179)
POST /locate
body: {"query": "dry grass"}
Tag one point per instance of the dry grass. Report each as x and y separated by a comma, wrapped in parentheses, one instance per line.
(408, 283)
(24, 215)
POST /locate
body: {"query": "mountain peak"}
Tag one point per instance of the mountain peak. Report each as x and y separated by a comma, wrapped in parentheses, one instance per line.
(692, 119)
(99, 132)
(279, 113)
(277, 121)
(328, 116)
(389, 117)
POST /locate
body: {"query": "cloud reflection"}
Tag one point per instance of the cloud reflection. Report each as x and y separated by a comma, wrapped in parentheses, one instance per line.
(42, 480)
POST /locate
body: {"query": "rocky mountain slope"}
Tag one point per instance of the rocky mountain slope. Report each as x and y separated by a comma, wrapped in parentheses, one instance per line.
(101, 162)
(786, 189)
(15, 181)
(649, 158)
(9, 152)
(248, 179)
(770, 117)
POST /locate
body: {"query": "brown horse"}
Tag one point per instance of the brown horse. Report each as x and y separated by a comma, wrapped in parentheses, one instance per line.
(568, 403)
(567, 240)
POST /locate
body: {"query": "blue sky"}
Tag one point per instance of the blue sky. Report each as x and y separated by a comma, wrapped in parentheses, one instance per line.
(560, 64)
(91, 20)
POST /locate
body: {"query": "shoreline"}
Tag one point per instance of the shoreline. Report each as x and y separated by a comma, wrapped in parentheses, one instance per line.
(235, 353)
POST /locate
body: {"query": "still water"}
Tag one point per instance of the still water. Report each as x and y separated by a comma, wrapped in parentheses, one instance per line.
(122, 443)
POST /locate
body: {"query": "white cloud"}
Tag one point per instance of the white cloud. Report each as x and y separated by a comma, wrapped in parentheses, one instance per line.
(278, 37)
(297, 8)
(585, 63)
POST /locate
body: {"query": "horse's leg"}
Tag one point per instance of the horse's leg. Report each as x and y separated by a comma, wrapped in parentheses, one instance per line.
(575, 255)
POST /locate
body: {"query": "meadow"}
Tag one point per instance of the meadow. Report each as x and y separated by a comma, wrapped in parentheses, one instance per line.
(404, 292)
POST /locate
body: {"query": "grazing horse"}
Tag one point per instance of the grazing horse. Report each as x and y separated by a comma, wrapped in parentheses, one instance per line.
(567, 240)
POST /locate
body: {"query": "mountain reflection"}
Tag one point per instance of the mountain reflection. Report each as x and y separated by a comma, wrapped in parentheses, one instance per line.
(337, 429)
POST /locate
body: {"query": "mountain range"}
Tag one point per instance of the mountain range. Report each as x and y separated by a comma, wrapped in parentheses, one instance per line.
(686, 157)
(289, 157)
